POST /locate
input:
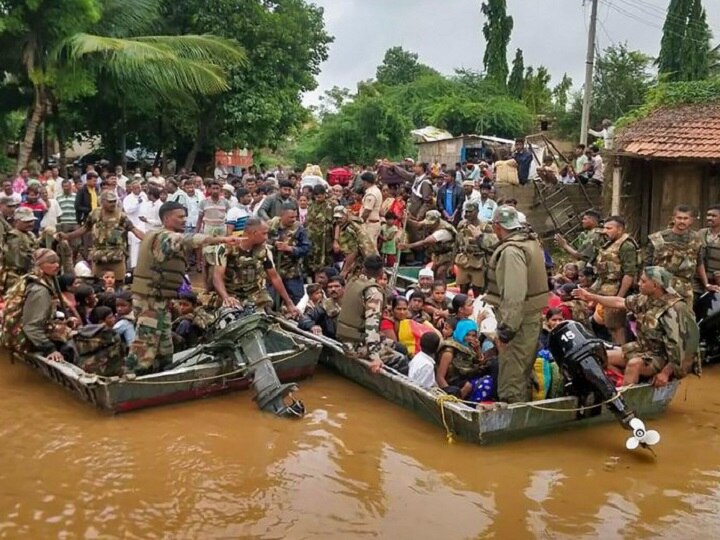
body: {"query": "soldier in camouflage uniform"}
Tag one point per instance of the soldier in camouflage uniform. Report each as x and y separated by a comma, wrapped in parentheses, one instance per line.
(678, 250)
(290, 245)
(108, 226)
(358, 325)
(7, 208)
(319, 223)
(352, 241)
(590, 241)
(18, 249)
(617, 267)
(244, 268)
(474, 247)
(439, 242)
(667, 335)
(159, 273)
(710, 239)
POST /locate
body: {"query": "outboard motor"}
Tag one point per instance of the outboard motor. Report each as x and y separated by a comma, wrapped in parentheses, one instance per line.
(707, 314)
(582, 358)
(248, 349)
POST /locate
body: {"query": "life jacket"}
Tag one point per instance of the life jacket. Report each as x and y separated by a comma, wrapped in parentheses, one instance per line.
(537, 287)
(648, 328)
(12, 336)
(100, 350)
(287, 265)
(109, 244)
(677, 254)
(712, 253)
(464, 363)
(440, 248)
(609, 266)
(157, 279)
(351, 321)
(245, 271)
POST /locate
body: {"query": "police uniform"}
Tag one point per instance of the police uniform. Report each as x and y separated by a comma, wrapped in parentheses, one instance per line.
(159, 273)
(517, 288)
(475, 244)
(615, 260)
(679, 254)
(441, 251)
(17, 251)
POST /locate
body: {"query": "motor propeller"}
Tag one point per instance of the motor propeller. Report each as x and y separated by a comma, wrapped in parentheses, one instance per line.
(641, 436)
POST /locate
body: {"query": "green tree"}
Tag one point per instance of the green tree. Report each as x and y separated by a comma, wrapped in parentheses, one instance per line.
(516, 81)
(400, 67)
(695, 50)
(560, 93)
(60, 60)
(669, 60)
(496, 29)
(537, 95)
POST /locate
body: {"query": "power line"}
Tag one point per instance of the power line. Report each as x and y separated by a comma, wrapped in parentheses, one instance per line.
(647, 9)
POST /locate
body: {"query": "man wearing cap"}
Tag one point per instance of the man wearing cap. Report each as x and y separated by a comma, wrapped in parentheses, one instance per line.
(159, 274)
(474, 247)
(18, 249)
(7, 209)
(371, 203)
(667, 335)
(517, 289)
(358, 325)
(319, 226)
(440, 242)
(272, 205)
(108, 226)
(351, 240)
(470, 194)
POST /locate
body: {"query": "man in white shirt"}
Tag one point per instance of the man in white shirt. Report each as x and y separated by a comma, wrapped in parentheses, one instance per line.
(157, 178)
(598, 165)
(150, 210)
(193, 197)
(422, 367)
(486, 205)
(471, 195)
(607, 133)
(122, 180)
(229, 194)
(220, 173)
(131, 207)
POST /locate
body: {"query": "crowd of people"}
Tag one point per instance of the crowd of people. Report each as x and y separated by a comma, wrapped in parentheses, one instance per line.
(108, 260)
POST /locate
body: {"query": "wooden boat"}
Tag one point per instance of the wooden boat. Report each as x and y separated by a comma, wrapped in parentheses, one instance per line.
(294, 357)
(481, 426)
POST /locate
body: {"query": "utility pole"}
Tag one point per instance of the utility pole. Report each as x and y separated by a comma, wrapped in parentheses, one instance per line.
(589, 65)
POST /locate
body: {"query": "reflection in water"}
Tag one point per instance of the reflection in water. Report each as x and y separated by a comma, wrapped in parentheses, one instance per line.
(356, 466)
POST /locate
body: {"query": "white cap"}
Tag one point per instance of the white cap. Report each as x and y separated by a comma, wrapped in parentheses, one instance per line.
(426, 272)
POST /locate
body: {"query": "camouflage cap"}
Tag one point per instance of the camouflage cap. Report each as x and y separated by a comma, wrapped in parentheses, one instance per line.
(9, 201)
(108, 196)
(472, 205)
(659, 275)
(507, 217)
(339, 211)
(431, 218)
(44, 255)
(24, 214)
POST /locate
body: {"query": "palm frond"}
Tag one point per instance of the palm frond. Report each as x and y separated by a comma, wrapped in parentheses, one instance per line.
(127, 17)
(193, 64)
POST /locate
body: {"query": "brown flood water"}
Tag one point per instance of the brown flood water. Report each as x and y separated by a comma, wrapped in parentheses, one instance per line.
(355, 467)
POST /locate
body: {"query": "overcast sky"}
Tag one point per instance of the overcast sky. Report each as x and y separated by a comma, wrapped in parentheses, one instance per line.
(448, 33)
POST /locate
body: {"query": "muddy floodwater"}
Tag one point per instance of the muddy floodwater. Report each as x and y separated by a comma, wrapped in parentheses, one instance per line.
(355, 467)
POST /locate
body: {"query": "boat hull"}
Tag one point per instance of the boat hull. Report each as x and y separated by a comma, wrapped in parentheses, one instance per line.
(497, 425)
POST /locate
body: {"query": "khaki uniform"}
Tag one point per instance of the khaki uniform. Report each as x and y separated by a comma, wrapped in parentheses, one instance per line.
(159, 273)
(666, 331)
(679, 254)
(16, 257)
(110, 246)
(614, 261)
(354, 239)
(442, 253)
(475, 243)
(517, 288)
(372, 201)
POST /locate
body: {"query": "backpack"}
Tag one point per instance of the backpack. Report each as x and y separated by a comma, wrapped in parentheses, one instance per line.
(99, 350)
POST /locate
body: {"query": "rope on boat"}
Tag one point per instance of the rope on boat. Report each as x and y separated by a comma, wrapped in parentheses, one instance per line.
(203, 379)
(618, 393)
(441, 399)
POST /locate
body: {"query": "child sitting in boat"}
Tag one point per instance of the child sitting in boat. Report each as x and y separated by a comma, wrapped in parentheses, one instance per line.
(422, 367)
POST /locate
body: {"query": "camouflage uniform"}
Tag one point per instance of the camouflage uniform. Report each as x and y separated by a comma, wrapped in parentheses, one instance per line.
(358, 325)
(616, 259)
(319, 226)
(354, 239)
(441, 252)
(289, 265)
(590, 243)
(110, 247)
(153, 345)
(16, 258)
(5, 229)
(666, 331)
(475, 243)
(578, 311)
(710, 258)
(678, 254)
(464, 365)
(246, 272)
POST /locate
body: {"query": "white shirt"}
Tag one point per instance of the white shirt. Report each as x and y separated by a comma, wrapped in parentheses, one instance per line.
(487, 209)
(180, 197)
(193, 207)
(220, 173)
(473, 197)
(599, 168)
(607, 134)
(50, 218)
(131, 207)
(15, 196)
(151, 212)
(122, 181)
(159, 180)
(422, 370)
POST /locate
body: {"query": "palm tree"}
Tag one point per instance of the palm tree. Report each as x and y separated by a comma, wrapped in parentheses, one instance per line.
(53, 39)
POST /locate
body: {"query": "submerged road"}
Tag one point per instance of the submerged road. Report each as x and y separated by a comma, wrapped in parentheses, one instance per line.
(355, 467)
